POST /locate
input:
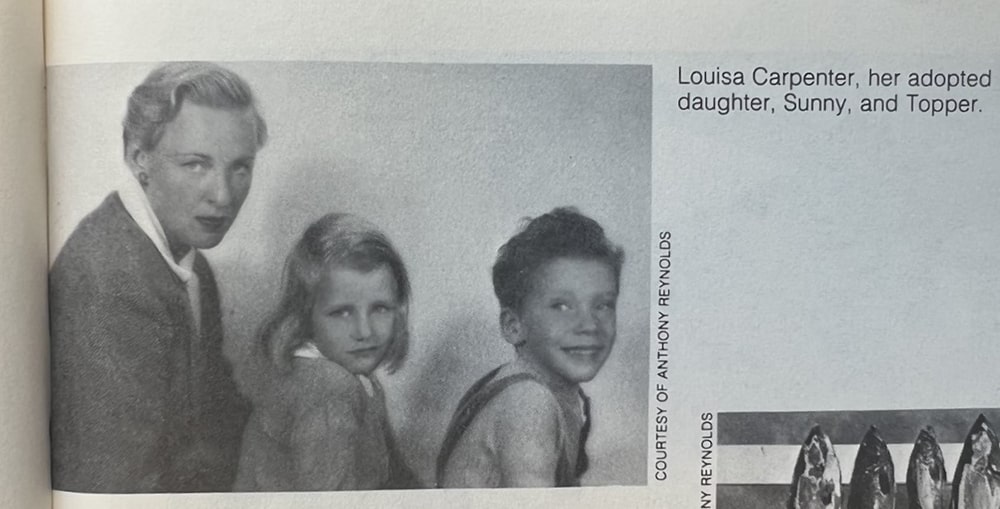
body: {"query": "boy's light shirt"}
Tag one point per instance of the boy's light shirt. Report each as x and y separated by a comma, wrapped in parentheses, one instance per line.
(309, 351)
(530, 367)
(137, 205)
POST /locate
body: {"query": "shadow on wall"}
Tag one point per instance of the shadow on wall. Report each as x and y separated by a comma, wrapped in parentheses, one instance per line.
(429, 394)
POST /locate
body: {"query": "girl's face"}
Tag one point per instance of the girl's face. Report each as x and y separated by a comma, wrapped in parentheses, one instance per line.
(354, 316)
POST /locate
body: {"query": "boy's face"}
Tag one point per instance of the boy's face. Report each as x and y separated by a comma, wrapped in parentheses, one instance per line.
(354, 317)
(566, 324)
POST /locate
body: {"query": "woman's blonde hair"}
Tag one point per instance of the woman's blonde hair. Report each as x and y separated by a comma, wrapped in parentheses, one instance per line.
(157, 100)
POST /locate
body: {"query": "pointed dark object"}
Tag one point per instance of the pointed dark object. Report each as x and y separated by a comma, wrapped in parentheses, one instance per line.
(873, 482)
(977, 476)
(816, 481)
(926, 475)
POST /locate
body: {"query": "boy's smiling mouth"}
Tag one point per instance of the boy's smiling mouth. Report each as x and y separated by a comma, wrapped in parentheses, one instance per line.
(583, 351)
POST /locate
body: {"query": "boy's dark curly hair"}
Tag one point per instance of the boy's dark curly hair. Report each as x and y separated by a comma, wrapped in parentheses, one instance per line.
(562, 233)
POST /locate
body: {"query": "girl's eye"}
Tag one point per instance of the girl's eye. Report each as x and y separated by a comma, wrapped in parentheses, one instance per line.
(560, 306)
(243, 170)
(339, 313)
(604, 306)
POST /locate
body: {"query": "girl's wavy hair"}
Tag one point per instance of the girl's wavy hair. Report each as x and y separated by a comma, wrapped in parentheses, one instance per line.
(157, 100)
(334, 240)
(562, 233)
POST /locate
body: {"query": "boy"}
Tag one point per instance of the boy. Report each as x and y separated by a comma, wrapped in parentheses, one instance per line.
(526, 422)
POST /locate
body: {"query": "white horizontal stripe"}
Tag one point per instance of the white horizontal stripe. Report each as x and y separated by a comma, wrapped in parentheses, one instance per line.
(775, 464)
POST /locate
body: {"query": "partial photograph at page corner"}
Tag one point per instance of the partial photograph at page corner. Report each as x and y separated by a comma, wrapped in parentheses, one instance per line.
(914, 459)
(325, 276)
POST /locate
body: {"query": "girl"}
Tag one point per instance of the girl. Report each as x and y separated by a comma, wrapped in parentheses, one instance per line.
(320, 423)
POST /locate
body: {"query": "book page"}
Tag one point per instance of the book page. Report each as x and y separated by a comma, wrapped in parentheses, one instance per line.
(24, 465)
(778, 187)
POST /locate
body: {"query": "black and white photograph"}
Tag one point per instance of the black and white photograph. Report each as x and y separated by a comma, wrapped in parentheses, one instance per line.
(326, 276)
(917, 459)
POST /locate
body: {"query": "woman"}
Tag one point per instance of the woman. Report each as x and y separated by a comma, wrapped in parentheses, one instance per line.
(142, 398)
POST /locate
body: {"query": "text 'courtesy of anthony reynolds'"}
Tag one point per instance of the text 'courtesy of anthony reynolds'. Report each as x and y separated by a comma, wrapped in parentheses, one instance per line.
(661, 349)
(760, 89)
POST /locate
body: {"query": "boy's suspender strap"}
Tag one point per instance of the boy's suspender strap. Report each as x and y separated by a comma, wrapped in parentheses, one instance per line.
(582, 461)
(569, 475)
(477, 397)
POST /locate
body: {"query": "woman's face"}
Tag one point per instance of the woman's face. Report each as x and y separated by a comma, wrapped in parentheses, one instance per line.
(198, 175)
(354, 317)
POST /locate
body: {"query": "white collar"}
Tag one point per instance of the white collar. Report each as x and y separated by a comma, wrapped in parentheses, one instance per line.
(308, 351)
(137, 205)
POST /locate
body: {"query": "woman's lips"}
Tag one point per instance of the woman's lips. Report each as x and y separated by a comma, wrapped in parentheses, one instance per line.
(213, 223)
